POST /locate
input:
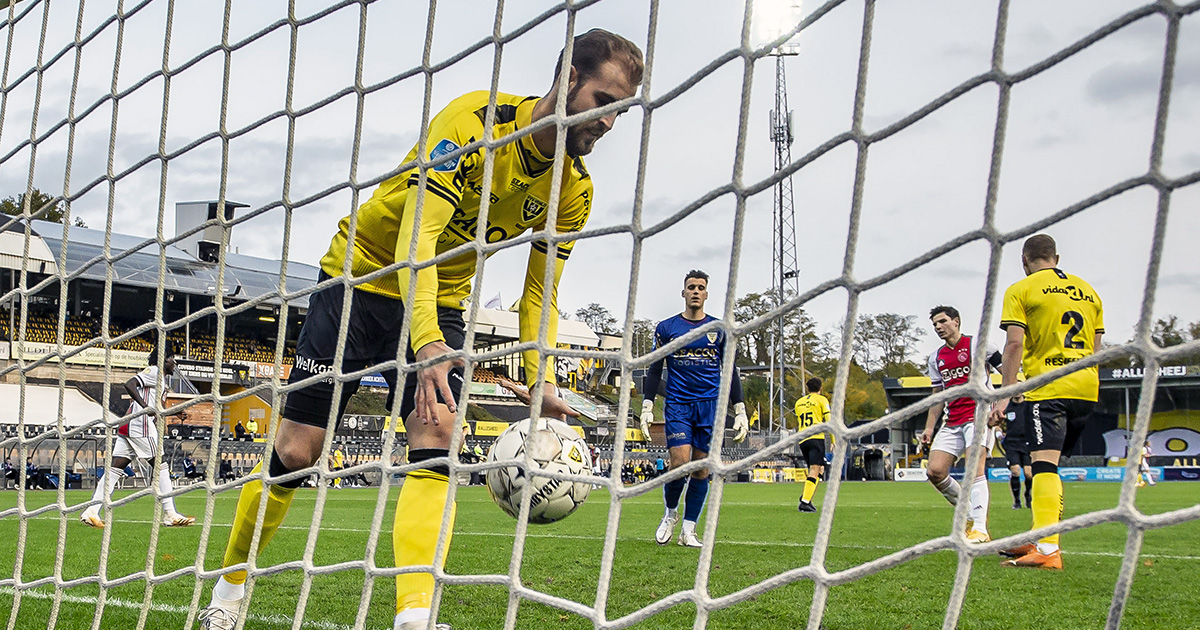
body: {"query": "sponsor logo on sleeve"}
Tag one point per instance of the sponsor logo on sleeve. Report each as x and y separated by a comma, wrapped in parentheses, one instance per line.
(445, 147)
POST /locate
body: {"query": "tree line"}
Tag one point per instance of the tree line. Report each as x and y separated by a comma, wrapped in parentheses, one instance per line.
(14, 206)
(884, 347)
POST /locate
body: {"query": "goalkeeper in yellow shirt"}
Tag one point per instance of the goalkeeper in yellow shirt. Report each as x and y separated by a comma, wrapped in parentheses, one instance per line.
(604, 68)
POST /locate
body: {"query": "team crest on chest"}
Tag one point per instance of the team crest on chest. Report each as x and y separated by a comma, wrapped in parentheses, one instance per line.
(963, 356)
(712, 337)
(533, 208)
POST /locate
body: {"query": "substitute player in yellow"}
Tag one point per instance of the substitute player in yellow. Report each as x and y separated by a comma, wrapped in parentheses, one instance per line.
(604, 68)
(812, 409)
(1052, 319)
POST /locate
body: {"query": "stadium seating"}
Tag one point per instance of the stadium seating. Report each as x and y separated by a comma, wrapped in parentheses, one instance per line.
(42, 327)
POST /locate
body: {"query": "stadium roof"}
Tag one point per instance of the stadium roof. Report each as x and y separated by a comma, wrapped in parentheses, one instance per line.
(246, 277)
(497, 326)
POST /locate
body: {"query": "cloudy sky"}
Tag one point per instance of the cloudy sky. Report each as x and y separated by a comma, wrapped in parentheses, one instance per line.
(1073, 130)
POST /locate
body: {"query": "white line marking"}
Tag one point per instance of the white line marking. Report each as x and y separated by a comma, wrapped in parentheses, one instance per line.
(274, 620)
(720, 541)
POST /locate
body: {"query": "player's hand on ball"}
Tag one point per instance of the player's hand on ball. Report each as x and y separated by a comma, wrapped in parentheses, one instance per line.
(433, 380)
(555, 407)
(741, 424)
(646, 417)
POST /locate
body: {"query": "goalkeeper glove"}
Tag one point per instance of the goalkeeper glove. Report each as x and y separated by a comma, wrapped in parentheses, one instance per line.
(741, 424)
(646, 418)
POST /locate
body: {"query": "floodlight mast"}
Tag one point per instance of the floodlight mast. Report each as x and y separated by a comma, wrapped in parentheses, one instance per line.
(785, 284)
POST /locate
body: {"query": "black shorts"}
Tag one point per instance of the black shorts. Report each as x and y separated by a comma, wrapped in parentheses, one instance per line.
(1016, 455)
(372, 338)
(1057, 423)
(814, 451)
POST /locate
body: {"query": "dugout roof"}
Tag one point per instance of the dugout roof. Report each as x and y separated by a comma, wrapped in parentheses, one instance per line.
(246, 277)
(41, 405)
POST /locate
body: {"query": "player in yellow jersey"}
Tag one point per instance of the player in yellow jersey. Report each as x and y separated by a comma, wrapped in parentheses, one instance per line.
(604, 68)
(1052, 319)
(812, 409)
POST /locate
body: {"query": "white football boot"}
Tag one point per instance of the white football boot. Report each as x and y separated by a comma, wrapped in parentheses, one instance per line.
(216, 618)
(689, 539)
(666, 529)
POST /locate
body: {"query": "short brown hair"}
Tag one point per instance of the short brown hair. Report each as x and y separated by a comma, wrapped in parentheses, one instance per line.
(1040, 247)
(595, 47)
(950, 312)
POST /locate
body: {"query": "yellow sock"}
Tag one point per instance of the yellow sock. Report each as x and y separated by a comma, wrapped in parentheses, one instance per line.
(810, 488)
(415, 534)
(1047, 503)
(238, 548)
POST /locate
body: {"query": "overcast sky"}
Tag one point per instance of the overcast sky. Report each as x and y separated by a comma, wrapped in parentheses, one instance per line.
(1073, 130)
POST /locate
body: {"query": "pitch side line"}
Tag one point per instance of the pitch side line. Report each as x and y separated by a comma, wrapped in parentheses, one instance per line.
(274, 620)
(747, 543)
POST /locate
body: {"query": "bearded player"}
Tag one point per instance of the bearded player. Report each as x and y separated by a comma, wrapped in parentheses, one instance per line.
(604, 68)
(691, 406)
(950, 366)
(1051, 319)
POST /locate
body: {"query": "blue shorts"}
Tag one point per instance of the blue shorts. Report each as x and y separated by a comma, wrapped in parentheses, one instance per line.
(690, 423)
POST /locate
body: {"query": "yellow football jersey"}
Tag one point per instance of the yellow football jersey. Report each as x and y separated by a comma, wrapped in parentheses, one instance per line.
(519, 200)
(1061, 315)
(812, 409)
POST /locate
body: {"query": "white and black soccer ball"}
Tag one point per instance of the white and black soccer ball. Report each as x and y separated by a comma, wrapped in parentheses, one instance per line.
(555, 447)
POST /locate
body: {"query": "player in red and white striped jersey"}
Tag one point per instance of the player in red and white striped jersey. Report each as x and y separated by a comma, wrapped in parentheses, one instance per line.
(138, 440)
(950, 366)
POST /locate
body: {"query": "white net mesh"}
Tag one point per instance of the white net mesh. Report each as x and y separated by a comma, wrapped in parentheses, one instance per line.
(71, 49)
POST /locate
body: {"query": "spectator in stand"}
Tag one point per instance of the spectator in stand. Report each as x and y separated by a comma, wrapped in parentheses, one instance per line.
(226, 471)
(10, 473)
(239, 431)
(660, 467)
(32, 476)
(252, 427)
(191, 470)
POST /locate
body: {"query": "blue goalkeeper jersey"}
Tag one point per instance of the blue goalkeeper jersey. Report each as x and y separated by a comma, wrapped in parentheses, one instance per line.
(695, 369)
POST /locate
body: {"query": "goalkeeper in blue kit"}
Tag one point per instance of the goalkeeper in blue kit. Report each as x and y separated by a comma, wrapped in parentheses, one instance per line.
(690, 407)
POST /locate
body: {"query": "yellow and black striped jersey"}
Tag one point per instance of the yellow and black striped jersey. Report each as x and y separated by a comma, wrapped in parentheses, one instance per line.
(519, 201)
(1061, 315)
(812, 409)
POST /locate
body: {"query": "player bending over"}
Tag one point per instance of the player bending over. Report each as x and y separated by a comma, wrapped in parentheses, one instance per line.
(950, 366)
(690, 406)
(138, 439)
(812, 409)
(604, 68)
(1016, 451)
(1051, 319)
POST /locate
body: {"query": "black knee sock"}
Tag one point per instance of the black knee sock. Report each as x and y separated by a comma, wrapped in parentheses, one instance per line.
(1029, 485)
(1014, 482)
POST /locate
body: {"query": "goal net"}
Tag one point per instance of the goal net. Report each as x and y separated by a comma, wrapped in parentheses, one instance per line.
(284, 117)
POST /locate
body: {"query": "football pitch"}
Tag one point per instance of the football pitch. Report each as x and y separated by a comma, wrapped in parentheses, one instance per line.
(760, 534)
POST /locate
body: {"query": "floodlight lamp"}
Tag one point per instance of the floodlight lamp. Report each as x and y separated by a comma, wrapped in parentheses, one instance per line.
(772, 19)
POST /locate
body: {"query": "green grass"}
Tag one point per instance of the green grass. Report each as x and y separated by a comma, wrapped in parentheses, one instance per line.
(760, 535)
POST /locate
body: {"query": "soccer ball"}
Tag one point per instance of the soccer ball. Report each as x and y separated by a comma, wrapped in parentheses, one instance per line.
(555, 447)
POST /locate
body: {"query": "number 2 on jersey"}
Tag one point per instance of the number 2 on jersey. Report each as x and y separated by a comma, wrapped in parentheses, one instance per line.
(1075, 319)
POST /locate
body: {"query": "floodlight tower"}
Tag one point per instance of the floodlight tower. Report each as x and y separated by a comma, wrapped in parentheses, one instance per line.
(784, 263)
